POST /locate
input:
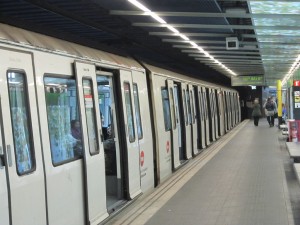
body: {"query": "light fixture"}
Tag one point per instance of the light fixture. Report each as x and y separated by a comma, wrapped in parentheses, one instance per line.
(176, 32)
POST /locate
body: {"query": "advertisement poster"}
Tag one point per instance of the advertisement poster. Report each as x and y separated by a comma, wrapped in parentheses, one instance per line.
(294, 130)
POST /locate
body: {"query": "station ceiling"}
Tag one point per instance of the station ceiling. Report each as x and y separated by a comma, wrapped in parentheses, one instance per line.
(188, 36)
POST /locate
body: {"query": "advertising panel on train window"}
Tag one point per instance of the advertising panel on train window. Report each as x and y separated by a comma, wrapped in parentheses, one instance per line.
(248, 80)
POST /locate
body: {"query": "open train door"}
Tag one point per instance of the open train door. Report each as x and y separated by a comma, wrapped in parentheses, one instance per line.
(144, 131)
(4, 207)
(94, 153)
(23, 181)
(175, 138)
(133, 154)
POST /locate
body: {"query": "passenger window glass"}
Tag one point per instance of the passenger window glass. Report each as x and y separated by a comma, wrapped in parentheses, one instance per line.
(137, 111)
(185, 108)
(192, 107)
(173, 108)
(63, 119)
(188, 100)
(129, 113)
(166, 108)
(90, 113)
(22, 135)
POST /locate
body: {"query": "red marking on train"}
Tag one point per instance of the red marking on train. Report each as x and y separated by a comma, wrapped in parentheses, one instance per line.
(142, 158)
(168, 146)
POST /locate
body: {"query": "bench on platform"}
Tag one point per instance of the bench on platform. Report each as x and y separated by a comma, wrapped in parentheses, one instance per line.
(294, 150)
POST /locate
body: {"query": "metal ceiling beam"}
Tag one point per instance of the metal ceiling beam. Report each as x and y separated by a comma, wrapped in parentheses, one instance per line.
(214, 26)
(209, 41)
(188, 46)
(205, 15)
(223, 52)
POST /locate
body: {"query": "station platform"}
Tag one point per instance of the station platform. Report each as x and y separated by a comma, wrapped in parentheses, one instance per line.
(244, 178)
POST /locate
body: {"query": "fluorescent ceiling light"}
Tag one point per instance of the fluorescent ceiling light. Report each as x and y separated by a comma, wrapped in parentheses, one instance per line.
(175, 31)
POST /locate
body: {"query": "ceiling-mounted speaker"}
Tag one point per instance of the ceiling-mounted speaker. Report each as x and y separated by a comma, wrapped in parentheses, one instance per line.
(232, 43)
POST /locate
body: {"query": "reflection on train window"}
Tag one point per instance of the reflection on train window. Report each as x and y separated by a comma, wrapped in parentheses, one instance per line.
(166, 108)
(129, 114)
(62, 112)
(90, 114)
(18, 99)
(185, 108)
(137, 111)
(188, 100)
(173, 108)
(192, 107)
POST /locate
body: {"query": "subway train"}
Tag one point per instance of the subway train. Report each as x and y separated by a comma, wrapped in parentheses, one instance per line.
(83, 132)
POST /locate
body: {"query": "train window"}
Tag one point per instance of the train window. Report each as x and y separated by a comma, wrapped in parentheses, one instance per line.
(185, 108)
(193, 108)
(188, 100)
(129, 112)
(173, 113)
(137, 111)
(90, 113)
(22, 135)
(166, 108)
(63, 119)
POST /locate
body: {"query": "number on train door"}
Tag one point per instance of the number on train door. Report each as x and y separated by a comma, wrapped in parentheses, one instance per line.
(133, 155)
(94, 152)
(24, 169)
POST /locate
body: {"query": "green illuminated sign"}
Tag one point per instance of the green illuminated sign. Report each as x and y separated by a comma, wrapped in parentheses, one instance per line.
(247, 80)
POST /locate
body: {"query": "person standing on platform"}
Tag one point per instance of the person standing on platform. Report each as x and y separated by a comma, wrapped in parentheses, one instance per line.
(270, 111)
(256, 113)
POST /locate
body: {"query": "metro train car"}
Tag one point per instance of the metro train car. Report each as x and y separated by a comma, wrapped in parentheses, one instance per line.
(83, 132)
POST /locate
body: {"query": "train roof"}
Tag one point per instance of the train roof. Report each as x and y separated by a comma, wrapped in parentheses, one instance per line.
(29, 39)
(180, 77)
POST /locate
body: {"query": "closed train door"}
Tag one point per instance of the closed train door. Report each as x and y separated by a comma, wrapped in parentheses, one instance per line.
(187, 120)
(211, 115)
(21, 176)
(144, 131)
(194, 120)
(206, 118)
(174, 108)
(133, 153)
(201, 117)
(94, 153)
(216, 112)
(111, 142)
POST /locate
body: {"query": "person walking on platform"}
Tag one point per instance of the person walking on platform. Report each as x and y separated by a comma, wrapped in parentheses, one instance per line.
(270, 111)
(256, 113)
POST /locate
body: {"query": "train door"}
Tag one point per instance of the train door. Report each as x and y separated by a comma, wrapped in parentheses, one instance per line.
(187, 118)
(216, 112)
(221, 115)
(110, 137)
(201, 117)
(179, 122)
(211, 115)
(4, 207)
(176, 127)
(22, 178)
(93, 155)
(133, 154)
(144, 131)
(225, 111)
(194, 120)
(206, 122)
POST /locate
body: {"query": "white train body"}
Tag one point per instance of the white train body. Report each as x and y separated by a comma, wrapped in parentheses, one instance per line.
(138, 123)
